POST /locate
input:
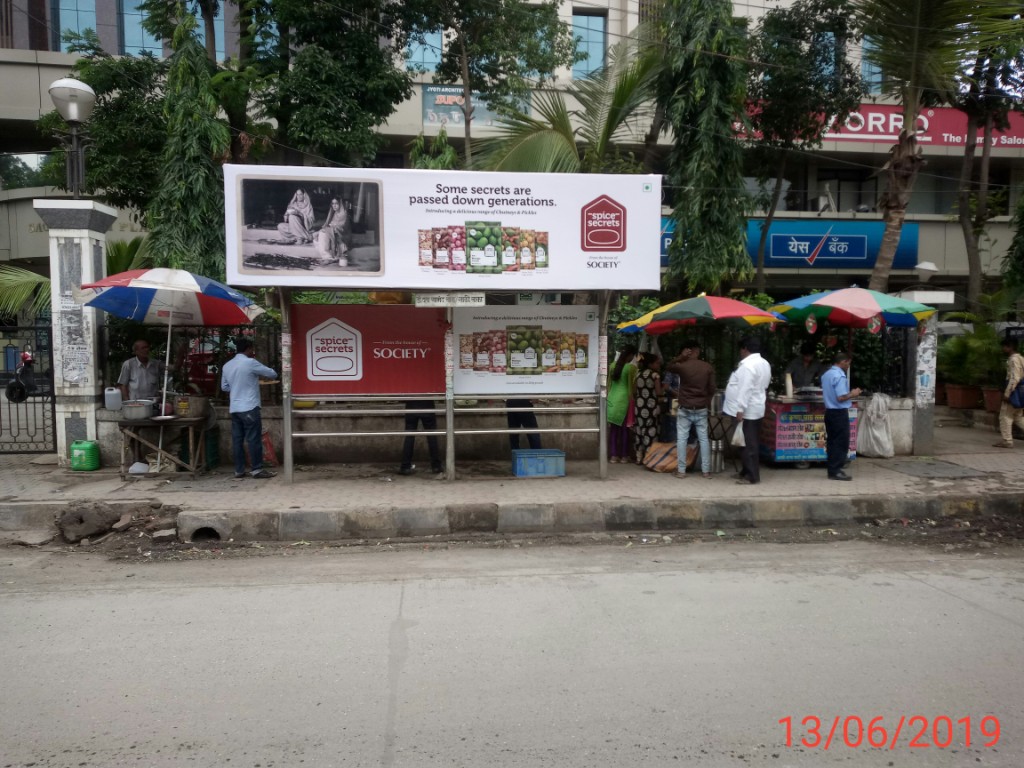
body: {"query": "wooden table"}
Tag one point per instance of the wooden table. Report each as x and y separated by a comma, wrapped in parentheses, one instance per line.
(131, 429)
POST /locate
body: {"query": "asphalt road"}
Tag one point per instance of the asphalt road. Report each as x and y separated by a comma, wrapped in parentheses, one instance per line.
(556, 656)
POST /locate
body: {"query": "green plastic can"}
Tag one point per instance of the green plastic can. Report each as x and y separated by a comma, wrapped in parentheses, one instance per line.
(85, 456)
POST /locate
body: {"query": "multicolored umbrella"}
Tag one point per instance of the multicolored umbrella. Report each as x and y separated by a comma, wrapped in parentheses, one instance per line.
(698, 310)
(855, 308)
(167, 297)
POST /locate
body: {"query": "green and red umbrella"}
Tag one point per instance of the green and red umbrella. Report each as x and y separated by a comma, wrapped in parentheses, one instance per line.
(855, 308)
(700, 310)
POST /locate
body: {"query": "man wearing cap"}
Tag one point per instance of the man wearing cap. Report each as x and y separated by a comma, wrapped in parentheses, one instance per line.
(835, 388)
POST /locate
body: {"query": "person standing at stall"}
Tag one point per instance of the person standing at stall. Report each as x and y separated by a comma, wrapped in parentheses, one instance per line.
(835, 388)
(696, 389)
(745, 397)
(647, 402)
(409, 443)
(240, 378)
(1008, 415)
(141, 376)
(619, 407)
(805, 369)
(522, 420)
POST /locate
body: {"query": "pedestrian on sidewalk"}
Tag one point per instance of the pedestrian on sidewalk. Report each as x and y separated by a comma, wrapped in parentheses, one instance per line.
(835, 389)
(240, 378)
(619, 405)
(647, 403)
(1008, 415)
(429, 421)
(696, 389)
(522, 420)
(745, 397)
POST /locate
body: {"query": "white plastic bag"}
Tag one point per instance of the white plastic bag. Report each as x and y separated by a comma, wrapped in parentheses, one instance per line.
(874, 437)
(738, 440)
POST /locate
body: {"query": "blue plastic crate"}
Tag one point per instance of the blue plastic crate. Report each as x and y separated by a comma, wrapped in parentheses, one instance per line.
(538, 462)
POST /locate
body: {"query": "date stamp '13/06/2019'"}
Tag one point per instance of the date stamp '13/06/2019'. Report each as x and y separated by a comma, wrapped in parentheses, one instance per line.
(913, 732)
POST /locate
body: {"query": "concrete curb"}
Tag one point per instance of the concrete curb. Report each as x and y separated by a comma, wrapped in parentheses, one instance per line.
(327, 525)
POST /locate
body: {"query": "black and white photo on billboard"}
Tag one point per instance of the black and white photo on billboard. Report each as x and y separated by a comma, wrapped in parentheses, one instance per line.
(309, 225)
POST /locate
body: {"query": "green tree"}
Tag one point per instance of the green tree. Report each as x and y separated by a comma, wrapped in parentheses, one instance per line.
(501, 48)
(920, 46)
(15, 173)
(187, 215)
(989, 88)
(434, 154)
(701, 89)
(800, 74)
(614, 109)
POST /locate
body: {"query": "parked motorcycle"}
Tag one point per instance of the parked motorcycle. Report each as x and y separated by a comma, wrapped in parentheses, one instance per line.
(24, 382)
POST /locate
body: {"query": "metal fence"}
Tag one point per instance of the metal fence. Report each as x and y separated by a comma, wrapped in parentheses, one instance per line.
(28, 426)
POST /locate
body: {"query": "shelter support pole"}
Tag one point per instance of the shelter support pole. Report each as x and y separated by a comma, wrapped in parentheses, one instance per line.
(77, 231)
(924, 386)
(602, 385)
(285, 295)
(449, 398)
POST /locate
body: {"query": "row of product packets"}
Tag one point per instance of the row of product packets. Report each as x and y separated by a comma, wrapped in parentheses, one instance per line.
(524, 350)
(483, 247)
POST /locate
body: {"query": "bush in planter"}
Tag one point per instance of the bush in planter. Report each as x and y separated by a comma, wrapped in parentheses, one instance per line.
(954, 368)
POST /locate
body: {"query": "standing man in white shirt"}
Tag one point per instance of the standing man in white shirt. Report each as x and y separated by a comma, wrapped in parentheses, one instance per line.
(241, 378)
(745, 398)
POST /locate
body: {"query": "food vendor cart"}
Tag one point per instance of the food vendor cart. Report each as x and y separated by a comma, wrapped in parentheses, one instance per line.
(793, 428)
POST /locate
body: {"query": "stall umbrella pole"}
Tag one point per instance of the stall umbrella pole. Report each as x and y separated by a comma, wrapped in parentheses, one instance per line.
(163, 402)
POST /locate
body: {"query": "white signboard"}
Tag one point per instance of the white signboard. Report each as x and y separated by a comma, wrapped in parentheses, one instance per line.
(525, 350)
(382, 229)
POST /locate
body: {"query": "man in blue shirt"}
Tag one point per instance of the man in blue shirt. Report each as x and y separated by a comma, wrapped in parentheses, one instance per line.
(241, 378)
(835, 387)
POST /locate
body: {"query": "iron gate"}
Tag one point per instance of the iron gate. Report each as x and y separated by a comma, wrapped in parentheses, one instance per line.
(29, 426)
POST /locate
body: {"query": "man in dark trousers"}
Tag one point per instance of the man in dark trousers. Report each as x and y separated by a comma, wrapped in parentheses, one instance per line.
(745, 401)
(835, 388)
(240, 378)
(430, 425)
(522, 420)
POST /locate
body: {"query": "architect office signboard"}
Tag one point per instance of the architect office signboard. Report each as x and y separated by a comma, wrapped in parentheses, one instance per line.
(382, 229)
(525, 350)
(363, 349)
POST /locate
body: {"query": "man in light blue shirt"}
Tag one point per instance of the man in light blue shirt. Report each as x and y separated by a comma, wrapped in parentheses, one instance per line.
(835, 388)
(241, 378)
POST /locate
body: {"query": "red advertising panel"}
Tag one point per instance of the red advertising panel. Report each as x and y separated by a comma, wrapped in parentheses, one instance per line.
(360, 349)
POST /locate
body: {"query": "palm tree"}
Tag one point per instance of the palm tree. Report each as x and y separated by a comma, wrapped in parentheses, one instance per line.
(613, 108)
(21, 288)
(919, 46)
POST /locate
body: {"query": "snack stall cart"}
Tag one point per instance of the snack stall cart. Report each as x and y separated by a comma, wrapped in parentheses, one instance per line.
(793, 428)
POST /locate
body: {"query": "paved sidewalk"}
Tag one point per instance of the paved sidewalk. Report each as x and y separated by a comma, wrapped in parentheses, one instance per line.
(966, 476)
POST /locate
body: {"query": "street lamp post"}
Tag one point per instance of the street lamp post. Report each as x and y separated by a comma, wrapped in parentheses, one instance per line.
(74, 101)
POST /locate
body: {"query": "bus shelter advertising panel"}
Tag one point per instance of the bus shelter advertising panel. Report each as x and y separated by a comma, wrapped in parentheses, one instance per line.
(525, 350)
(381, 229)
(364, 349)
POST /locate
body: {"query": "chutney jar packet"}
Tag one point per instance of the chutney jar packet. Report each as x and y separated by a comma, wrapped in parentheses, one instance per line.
(466, 351)
(483, 239)
(510, 249)
(442, 247)
(457, 236)
(552, 341)
(425, 239)
(541, 256)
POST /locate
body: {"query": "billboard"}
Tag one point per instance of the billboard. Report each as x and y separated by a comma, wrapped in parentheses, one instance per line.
(442, 107)
(365, 349)
(936, 126)
(829, 244)
(525, 350)
(377, 229)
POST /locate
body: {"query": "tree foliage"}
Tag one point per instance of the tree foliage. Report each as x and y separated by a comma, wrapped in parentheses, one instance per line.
(15, 173)
(800, 81)
(434, 154)
(701, 89)
(187, 215)
(920, 46)
(501, 48)
(614, 110)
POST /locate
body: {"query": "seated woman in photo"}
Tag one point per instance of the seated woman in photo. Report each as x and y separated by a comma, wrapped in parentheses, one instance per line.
(298, 218)
(332, 241)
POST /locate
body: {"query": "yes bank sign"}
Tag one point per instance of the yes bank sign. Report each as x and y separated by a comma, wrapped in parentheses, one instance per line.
(817, 243)
(367, 350)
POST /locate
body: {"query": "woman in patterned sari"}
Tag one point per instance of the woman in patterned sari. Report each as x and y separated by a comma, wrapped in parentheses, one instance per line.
(331, 241)
(298, 218)
(649, 392)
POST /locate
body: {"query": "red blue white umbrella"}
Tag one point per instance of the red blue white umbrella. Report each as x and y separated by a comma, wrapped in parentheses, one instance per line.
(170, 297)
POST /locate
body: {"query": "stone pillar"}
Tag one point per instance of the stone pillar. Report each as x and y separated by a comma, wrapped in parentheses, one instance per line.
(78, 243)
(924, 388)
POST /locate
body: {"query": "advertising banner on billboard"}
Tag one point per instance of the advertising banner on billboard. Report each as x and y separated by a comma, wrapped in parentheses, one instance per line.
(829, 244)
(525, 350)
(440, 230)
(442, 108)
(936, 126)
(363, 349)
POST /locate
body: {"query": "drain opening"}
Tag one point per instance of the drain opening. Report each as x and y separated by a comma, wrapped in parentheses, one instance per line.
(205, 534)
